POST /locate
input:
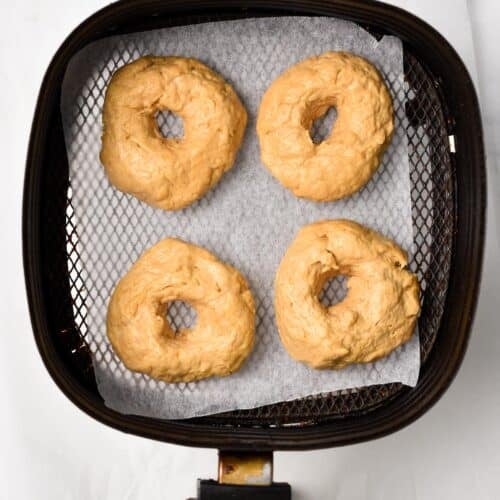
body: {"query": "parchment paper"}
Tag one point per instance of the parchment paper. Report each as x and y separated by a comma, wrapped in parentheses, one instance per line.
(247, 220)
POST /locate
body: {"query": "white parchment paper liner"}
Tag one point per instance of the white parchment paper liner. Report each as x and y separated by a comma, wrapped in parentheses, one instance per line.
(248, 220)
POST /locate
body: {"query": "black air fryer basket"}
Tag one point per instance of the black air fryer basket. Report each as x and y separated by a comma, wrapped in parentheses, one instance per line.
(442, 105)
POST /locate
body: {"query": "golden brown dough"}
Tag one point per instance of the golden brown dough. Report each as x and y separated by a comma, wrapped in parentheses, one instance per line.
(169, 173)
(217, 344)
(378, 313)
(343, 162)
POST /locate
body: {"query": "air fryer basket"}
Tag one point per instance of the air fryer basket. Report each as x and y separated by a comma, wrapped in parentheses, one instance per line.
(442, 107)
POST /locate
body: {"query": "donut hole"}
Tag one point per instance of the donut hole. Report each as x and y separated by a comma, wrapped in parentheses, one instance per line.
(180, 315)
(322, 126)
(170, 125)
(334, 291)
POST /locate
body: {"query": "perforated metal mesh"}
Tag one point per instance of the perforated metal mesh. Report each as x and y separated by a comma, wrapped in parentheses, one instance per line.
(333, 291)
(322, 126)
(180, 315)
(432, 198)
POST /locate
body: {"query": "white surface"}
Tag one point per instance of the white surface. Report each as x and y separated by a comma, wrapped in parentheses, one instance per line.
(48, 446)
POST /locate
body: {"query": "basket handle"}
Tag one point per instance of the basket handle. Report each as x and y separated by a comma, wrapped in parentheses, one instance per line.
(245, 476)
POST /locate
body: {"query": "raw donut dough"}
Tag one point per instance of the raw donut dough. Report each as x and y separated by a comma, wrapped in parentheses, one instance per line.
(217, 344)
(343, 162)
(378, 313)
(169, 173)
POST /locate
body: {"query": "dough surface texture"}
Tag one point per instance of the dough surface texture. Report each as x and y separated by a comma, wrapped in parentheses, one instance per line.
(344, 161)
(378, 313)
(216, 345)
(169, 173)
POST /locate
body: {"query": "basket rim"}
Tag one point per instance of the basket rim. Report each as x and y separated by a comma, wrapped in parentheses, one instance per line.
(446, 356)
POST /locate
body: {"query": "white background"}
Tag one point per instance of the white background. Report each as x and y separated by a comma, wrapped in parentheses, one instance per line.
(51, 450)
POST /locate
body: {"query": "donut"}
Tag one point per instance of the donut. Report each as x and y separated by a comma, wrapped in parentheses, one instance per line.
(222, 336)
(344, 161)
(378, 313)
(169, 173)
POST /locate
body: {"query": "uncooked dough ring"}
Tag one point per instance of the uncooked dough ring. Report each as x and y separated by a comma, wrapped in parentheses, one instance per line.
(343, 162)
(378, 313)
(217, 344)
(169, 173)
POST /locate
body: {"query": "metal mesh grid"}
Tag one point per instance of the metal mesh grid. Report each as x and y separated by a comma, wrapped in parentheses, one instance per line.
(432, 197)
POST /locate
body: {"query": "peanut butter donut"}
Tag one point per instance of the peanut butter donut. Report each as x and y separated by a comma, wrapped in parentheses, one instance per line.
(343, 162)
(217, 344)
(378, 313)
(169, 173)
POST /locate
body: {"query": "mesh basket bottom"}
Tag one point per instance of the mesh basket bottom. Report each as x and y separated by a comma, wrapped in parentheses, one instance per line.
(432, 198)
